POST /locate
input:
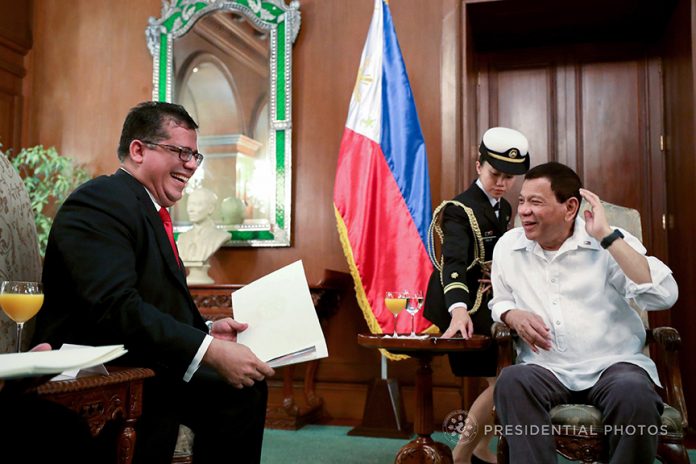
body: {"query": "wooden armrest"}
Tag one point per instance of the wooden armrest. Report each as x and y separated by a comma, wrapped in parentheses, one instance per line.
(669, 342)
(502, 334)
(667, 337)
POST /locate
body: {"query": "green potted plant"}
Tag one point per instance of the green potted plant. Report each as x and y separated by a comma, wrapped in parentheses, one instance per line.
(49, 178)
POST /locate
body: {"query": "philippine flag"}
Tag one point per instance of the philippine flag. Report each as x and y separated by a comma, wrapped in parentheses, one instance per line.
(382, 189)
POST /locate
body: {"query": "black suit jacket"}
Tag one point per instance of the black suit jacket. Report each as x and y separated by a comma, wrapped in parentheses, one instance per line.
(458, 252)
(111, 277)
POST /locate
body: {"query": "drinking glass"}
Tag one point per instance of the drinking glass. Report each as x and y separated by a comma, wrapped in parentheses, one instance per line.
(395, 303)
(415, 303)
(20, 301)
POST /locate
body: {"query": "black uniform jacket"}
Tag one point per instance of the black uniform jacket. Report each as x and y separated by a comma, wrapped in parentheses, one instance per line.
(458, 253)
(110, 277)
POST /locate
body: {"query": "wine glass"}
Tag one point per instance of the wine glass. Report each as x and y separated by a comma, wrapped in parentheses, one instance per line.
(395, 303)
(20, 301)
(415, 303)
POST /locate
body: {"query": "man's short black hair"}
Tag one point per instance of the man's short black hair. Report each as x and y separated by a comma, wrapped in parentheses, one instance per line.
(565, 183)
(148, 121)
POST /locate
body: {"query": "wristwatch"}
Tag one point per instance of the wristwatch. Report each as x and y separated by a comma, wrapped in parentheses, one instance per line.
(209, 324)
(609, 239)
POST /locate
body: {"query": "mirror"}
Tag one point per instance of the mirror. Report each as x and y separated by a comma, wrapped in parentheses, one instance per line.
(229, 64)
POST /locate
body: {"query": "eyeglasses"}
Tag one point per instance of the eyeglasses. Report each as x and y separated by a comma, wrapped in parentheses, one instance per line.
(185, 154)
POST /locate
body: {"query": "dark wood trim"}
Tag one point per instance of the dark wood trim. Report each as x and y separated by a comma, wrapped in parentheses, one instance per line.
(450, 75)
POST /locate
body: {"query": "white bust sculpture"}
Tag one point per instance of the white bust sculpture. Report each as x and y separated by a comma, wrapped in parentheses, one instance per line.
(199, 243)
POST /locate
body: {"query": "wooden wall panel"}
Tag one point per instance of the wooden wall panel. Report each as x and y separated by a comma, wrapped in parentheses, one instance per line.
(520, 98)
(591, 112)
(90, 65)
(15, 42)
(16, 23)
(611, 126)
(9, 109)
(525, 96)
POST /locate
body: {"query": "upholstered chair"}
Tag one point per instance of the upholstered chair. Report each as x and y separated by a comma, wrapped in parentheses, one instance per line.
(574, 420)
(19, 249)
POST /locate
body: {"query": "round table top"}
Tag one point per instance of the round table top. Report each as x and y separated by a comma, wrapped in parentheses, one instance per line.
(427, 343)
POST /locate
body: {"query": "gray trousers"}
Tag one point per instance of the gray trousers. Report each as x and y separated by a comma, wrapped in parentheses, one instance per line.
(524, 395)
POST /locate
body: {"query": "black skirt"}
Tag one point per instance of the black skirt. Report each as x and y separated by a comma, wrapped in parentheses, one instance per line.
(481, 363)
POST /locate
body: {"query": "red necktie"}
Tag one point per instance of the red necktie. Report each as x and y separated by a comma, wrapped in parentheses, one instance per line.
(167, 221)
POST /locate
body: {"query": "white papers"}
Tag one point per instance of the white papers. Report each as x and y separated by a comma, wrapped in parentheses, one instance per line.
(79, 372)
(283, 324)
(34, 363)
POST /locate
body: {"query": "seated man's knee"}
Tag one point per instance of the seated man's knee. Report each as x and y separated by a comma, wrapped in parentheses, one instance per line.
(629, 378)
(511, 379)
(643, 401)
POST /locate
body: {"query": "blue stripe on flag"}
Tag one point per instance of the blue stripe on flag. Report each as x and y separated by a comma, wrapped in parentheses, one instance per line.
(402, 140)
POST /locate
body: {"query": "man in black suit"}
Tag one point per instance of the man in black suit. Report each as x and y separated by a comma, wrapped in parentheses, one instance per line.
(112, 275)
(457, 297)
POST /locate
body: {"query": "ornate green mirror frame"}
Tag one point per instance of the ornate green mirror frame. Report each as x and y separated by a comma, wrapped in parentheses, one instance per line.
(280, 23)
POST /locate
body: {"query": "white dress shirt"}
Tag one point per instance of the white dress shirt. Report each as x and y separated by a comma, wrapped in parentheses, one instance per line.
(582, 295)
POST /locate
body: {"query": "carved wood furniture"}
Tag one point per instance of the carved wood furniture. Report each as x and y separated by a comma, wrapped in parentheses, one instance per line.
(423, 449)
(576, 443)
(113, 400)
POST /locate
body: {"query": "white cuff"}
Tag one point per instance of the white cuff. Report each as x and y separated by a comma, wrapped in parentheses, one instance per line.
(457, 305)
(195, 364)
(500, 308)
(658, 272)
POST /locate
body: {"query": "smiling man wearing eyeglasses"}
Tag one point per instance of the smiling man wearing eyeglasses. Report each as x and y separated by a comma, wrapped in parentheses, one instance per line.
(112, 275)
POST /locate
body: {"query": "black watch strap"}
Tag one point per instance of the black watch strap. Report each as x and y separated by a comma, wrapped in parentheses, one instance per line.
(609, 239)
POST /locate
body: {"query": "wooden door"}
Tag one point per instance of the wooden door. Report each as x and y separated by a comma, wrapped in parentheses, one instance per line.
(596, 110)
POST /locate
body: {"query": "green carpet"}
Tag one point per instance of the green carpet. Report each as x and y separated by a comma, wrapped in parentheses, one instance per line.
(331, 444)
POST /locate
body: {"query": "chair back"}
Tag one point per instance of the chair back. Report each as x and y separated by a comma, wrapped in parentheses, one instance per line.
(620, 216)
(19, 248)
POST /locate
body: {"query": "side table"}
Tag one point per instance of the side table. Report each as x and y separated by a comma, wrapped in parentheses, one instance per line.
(102, 399)
(423, 449)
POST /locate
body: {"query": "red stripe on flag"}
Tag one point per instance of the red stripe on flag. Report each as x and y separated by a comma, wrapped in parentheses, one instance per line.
(388, 251)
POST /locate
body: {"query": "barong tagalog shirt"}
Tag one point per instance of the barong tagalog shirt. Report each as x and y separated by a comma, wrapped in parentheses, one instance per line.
(583, 296)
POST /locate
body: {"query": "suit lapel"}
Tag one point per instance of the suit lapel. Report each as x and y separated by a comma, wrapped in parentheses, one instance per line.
(155, 222)
(480, 197)
(484, 204)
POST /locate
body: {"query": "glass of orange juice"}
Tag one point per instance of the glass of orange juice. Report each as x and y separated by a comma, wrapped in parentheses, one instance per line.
(20, 301)
(395, 303)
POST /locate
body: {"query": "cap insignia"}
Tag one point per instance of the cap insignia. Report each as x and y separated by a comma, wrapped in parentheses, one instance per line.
(454, 275)
(514, 153)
